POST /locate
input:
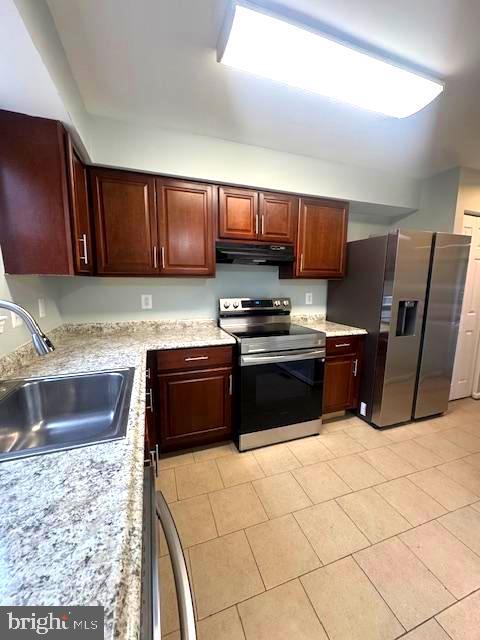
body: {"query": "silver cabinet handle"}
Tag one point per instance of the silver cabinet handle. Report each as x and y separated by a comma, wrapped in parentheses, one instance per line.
(301, 262)
(343, 344)
(179, 567)
(355, 367)
(230, 385)
(155, 257)
(196, 358)
(147, 373)
(149, 400)
(263, 225)
(162, 249)
(256, 224)
(83, 240)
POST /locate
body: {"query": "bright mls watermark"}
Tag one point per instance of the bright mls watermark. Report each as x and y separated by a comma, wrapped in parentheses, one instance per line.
(27, 623)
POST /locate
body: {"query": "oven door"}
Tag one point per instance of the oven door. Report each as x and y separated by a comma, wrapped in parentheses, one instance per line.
(281, 388)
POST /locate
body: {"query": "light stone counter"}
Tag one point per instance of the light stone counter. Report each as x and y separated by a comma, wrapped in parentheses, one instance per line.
(331, 329)
(71, 522)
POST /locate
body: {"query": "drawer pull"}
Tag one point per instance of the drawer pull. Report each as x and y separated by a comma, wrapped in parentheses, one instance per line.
(343, 344)
(196, 358)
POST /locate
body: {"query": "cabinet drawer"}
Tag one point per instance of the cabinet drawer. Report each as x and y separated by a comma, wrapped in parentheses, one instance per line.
(342, 345)
(195, 358)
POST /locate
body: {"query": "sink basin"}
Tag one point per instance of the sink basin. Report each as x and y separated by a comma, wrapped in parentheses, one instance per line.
(40, 415)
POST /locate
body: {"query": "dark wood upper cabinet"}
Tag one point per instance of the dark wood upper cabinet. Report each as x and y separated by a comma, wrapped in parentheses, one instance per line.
(322, 236)
(35, 230)
(125, 222)
(186, 213)
(238, 213)
(278, 217)
(79, 206)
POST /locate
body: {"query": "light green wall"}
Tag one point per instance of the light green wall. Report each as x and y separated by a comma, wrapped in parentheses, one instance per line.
(438, 203)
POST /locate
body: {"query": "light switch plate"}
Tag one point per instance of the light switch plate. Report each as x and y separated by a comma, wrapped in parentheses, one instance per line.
(42, 308)
(309, 298)
(146, 300)
(16, 320)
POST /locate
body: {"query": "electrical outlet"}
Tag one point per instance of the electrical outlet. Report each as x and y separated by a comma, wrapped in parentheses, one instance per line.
(309, 298)
(3, 319)
(146, 300)
(16, 320)
(42, 308)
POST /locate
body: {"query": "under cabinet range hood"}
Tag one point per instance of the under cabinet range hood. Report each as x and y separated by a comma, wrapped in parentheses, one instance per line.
(253, 253)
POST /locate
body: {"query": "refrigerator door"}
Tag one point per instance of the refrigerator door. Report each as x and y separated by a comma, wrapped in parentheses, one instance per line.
(404, 291)
(442, 320)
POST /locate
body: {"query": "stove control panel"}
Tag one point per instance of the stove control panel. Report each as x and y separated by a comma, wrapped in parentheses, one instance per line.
(245, 306)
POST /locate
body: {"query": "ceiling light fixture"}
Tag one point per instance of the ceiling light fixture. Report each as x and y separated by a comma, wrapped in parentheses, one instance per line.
(259, 42)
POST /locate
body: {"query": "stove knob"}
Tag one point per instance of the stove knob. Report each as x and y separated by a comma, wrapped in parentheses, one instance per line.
(285, 303)
(226, 305)
(276, 303)
(235, 305)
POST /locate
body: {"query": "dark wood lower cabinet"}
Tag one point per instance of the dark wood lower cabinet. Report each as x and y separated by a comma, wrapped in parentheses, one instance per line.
(189, 397)
(342, 374)
(195, 407)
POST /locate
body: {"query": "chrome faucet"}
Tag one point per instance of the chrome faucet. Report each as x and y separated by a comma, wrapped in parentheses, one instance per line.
(40, 341)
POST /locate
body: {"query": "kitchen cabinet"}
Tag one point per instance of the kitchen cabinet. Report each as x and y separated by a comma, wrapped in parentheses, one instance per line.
(278, 217)
(45, 217)
(125, 222)
(194, 388)
(321, 240)
(186, 212)
(82, 236)
(151, 436)
(252, 216)
(342, 373)
(237, 213)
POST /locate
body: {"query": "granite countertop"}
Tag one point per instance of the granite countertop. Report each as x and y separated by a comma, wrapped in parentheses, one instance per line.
(71, 521)
(331, 329)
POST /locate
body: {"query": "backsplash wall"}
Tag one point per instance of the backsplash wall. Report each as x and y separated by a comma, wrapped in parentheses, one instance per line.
(26, 290)
(111, 299)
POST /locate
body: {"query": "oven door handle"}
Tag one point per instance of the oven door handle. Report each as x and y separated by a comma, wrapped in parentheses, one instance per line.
(286, 356)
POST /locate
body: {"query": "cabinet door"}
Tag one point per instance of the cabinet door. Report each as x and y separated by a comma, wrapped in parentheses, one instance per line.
(322, 235)
(238, 214)
(80, 212)
(195, 407)
(186, 227)
(340, 384)
(125, 222)
(278, 216)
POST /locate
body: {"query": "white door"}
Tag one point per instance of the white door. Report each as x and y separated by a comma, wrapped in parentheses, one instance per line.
(467, 345)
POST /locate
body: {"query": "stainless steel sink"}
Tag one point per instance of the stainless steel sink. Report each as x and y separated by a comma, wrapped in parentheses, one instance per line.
(40, 415)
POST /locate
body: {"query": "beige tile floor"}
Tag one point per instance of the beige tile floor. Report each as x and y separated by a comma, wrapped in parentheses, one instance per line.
(353, 534)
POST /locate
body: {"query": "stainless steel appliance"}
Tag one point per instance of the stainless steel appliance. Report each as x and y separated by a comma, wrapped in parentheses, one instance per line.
(406, 289)
(278, 393)
(156, 514)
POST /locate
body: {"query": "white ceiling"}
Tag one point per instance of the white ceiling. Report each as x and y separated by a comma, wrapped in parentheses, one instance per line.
(154, 61)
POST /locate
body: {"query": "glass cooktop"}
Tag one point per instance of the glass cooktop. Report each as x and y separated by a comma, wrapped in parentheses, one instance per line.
(272, 330)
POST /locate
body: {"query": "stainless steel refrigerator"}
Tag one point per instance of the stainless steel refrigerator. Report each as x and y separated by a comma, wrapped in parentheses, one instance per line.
(406, 289)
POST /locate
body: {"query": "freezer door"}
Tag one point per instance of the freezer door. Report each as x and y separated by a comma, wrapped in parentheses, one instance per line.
(442, 320)
(404, 291)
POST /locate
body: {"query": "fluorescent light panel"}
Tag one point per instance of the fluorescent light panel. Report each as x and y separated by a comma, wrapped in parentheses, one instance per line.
(268, 46)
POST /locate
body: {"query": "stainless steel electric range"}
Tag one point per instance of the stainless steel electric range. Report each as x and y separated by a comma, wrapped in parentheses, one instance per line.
(279, 383)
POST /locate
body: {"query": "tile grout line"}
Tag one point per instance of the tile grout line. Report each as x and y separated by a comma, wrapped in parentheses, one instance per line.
(377, 591)
(312, 605)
